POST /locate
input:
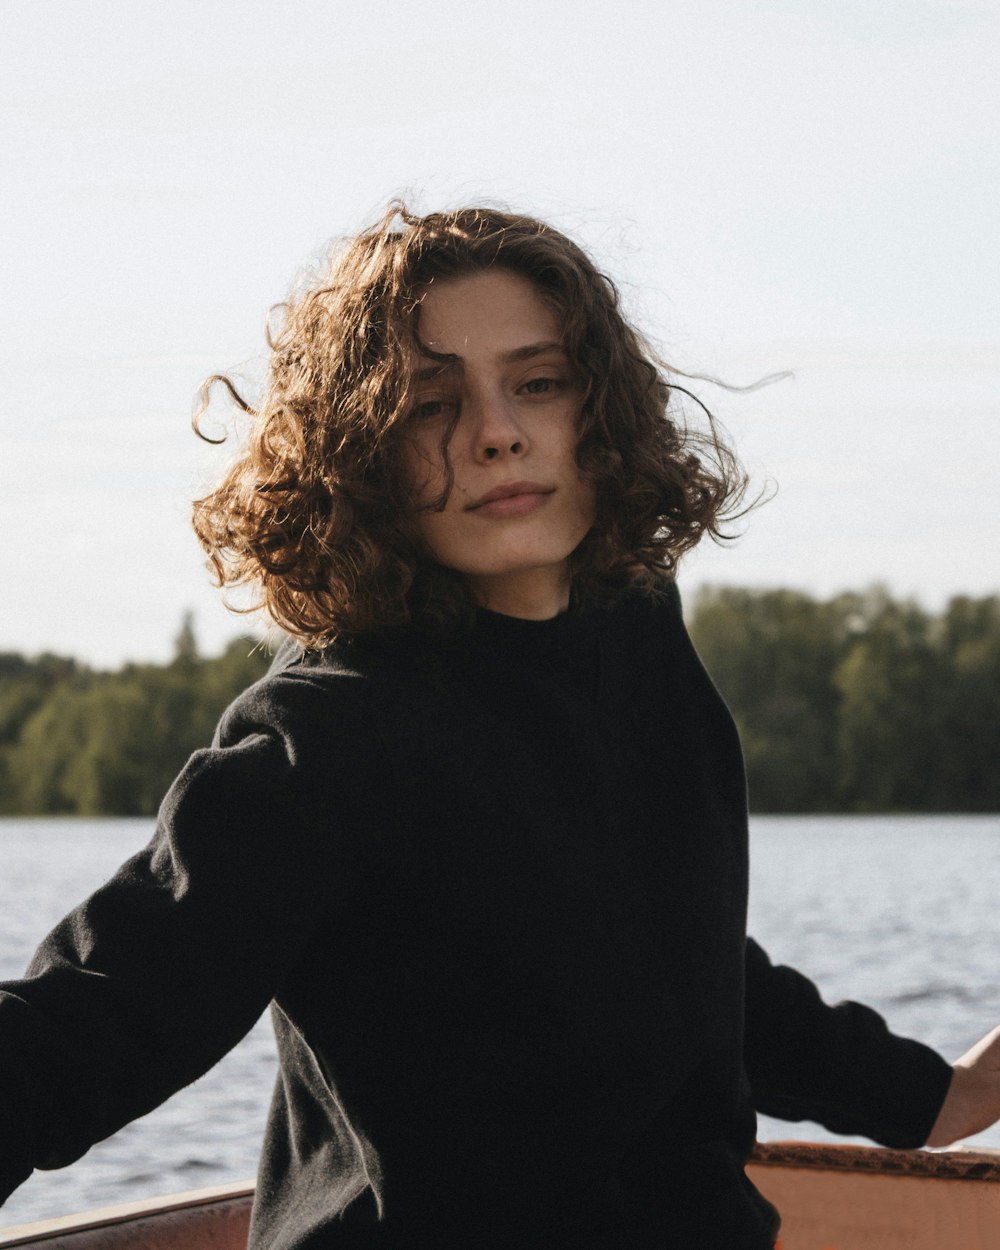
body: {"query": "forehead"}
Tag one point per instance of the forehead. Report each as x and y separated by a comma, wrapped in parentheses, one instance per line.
(485, 314)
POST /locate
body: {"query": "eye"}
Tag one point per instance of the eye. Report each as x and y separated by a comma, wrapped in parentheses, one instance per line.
(429, 409)
(541, 386)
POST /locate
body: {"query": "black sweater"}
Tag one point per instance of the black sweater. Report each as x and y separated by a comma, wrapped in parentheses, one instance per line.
(494, 889)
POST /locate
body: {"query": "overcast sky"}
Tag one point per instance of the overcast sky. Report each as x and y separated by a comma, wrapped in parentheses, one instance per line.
(785, 185)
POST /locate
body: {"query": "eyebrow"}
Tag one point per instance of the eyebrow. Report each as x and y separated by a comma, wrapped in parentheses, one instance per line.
(440, 366)
(451, 360)
(532, 349)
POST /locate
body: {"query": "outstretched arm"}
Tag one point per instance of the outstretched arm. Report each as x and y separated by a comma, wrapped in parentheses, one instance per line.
(152, 979)
(839, 1065)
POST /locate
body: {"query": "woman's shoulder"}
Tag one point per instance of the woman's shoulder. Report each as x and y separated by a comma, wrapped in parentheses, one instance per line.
(305, 693)
(648, 607)
(644, 630)
(291, 742)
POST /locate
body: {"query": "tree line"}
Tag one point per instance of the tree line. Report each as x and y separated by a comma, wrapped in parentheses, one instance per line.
(860, 703)
(81, 742)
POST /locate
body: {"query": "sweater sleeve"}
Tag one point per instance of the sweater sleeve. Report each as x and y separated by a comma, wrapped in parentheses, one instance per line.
(839, 1065)
(150, 981)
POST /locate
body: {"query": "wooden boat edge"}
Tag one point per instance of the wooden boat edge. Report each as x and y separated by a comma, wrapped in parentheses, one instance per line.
(964, 1165)
(239, 1193)
(233, 1201)
(847, 1197)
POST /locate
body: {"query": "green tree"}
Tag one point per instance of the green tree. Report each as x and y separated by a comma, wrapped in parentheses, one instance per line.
(24, 686)
(969, 712)
(772, 654)
(891, 682)
(112, 743)
(186, 644)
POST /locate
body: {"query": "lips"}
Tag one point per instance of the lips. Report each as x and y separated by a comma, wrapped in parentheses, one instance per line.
(510, 490)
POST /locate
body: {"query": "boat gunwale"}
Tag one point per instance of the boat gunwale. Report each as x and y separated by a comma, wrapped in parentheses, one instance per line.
(950, 1165)
(124, 1213)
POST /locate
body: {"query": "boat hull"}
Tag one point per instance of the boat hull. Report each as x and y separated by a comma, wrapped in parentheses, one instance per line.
(864, 1198)
(830, 1198)
(216, 1218)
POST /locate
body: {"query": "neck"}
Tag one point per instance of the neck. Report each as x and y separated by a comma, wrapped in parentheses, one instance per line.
(533, 595)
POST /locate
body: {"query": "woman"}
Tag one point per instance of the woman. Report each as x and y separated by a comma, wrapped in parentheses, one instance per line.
(480, 837)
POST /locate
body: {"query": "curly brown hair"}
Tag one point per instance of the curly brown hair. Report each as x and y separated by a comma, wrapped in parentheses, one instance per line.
(315, 512)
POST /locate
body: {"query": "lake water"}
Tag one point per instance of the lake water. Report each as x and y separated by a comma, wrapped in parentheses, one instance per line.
(901, 913)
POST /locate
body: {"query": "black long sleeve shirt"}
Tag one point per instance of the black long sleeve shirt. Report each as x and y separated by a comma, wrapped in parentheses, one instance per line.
(494, 889)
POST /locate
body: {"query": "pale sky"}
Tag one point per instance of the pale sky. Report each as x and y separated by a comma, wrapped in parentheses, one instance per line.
(785, 185)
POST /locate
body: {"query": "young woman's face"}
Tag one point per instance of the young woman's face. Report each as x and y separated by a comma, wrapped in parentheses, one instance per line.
(518, 506)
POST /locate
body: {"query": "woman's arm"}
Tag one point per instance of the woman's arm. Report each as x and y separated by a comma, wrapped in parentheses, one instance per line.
(973, 1099)
(151, 980)
(838, 1065)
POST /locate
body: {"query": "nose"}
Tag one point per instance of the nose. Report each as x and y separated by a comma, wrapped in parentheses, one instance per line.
(497, 431)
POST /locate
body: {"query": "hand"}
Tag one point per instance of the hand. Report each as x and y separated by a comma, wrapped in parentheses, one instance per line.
(973, 1099)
